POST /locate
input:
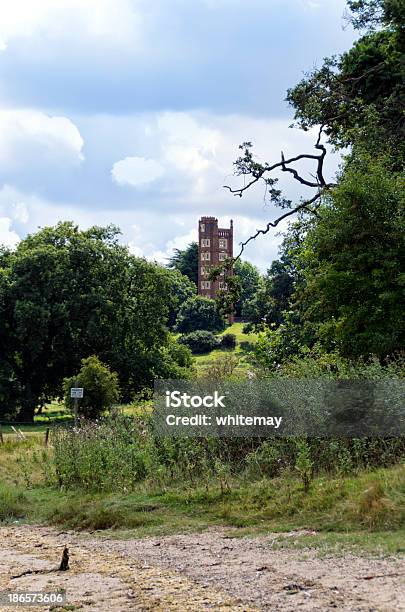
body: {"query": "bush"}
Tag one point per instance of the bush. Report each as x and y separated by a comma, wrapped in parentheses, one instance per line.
(228, 341)
(197, 313)
(221, 368)
(100, 386)
(200, 341)
(118, 453)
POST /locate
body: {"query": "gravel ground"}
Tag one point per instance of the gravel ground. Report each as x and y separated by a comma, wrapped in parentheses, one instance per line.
(208, 571)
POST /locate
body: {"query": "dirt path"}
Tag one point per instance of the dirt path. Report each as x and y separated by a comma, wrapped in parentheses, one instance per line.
(209, 571)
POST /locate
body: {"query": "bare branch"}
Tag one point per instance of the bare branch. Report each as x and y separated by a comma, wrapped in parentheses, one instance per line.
(258, 171)
(270, 224)
(247, 166)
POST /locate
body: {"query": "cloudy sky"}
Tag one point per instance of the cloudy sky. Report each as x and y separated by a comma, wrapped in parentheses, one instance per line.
(131, 111)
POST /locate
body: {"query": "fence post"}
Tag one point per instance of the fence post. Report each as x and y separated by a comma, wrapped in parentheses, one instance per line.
(1, 436)
(46, 436)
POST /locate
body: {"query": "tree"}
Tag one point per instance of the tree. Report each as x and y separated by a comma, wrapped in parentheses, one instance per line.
(101, 388)
(181, 288)
(354, 258)
(357, 96)
(272, 298)
(199, 312)
(9, 387)
(249, 277)
(346, 266)
(200, 341)
(186, 262)
(68, 294)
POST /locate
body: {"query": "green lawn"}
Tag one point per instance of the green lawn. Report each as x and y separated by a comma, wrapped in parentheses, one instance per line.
(237, 330)
(52, 414)
(244, 344)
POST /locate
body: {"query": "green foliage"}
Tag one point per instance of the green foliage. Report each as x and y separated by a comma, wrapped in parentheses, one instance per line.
(228, 341)
(180, 289)
(249, 277)
(180, 355)
(304, 464)
(116, 474)
(347, 282)
(357, 96)
(372, 13)
(354, 257)
(101, 388)
(226, 299)
(66, 294)
(271, 300)
(223, 367)
(111, 455)
(186, 262)
(116, 454)
(199, 313)
(12, 502)
(200, 341)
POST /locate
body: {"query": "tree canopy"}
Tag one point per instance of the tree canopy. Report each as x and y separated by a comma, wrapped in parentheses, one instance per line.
(339, 283)
(186, 261)
(197, 313)
(66, 294)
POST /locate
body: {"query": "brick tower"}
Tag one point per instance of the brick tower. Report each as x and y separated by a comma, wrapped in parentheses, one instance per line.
(215, 245)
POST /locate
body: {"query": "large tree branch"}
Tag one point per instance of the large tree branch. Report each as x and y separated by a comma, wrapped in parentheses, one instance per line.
(303, 205)
(247, 166)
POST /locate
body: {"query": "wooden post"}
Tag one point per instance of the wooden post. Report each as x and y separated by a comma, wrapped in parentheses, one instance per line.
(46, 436)
(1, 436)
(18, 433)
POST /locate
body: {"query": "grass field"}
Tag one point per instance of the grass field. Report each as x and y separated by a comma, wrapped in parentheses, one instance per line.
(52, 414)
(244, 344)
(366, 510)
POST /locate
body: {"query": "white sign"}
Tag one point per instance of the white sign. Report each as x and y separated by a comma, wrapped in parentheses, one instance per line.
(76, 392)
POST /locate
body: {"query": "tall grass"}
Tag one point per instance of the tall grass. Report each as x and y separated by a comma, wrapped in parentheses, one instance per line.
(116, 454)
(12, 502)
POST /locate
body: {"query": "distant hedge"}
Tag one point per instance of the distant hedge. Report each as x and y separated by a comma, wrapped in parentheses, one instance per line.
(200, 341)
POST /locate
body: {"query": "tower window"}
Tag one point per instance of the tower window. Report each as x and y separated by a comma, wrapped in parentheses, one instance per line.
(205, 242)
(223, 243)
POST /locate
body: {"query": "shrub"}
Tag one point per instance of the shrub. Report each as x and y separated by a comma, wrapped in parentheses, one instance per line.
(199, 312)
(200, 341)
(228, 341)
(222, 367)
(100, 386)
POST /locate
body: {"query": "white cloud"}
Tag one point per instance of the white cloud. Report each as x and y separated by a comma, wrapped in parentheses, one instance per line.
(33, 134)
(187, 144)
(181, 242)
(136, 171)
(110, 21)
(142, 246)
(168, 198)
(20, 212)
(8, 237)
(199, 150)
